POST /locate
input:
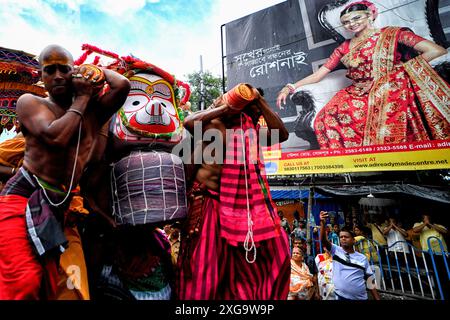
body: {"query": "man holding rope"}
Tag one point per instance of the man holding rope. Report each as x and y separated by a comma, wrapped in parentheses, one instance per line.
(60, 133)
(232, 246)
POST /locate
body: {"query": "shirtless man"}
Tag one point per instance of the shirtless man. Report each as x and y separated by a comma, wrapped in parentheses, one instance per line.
(221, 117)
(50, 125)
(60, 133)
(216, 263)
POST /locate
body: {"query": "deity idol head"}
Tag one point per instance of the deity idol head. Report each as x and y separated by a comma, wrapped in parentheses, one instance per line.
(152, 112)
(151, 109)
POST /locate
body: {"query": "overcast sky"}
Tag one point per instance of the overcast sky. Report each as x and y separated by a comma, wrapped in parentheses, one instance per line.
(171, 34)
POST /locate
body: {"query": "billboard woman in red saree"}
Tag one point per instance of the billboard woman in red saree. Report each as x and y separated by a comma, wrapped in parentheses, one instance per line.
(390, 101)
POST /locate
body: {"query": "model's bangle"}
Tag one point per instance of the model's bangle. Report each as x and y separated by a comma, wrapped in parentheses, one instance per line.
(290, 87)
(78, 112)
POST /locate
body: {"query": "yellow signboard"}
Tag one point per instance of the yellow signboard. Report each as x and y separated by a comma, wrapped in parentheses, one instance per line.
(415, 156)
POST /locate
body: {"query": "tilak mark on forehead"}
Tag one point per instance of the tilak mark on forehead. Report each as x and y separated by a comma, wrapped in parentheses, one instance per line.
(56, 57)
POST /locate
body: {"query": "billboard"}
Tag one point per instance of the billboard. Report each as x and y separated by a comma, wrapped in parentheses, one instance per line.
(333, 127)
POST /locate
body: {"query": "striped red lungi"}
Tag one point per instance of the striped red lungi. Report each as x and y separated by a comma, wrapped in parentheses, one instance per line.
(212, 269)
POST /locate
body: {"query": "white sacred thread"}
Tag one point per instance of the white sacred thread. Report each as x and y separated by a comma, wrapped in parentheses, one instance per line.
(71, 179)
(249, 237)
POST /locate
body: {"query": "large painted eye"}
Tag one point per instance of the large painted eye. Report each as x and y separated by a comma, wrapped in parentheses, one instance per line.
(135, 102)
(162, 90)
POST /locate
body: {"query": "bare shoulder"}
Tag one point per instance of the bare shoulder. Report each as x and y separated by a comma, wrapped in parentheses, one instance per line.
(29, 99)
(30, 106)
(26, 99)
(216, 123)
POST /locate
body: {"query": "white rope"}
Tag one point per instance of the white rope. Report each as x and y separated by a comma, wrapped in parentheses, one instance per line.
(114, 196)
(127, 183)
(162, 184)
(249, 236)
(133, 200)
(175, 183)
(71, 179)
(143, 186)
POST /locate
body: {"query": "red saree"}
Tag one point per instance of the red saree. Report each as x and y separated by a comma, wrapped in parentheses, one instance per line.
(389, 101)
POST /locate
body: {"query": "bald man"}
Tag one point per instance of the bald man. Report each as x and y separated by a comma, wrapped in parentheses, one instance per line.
(60, 133)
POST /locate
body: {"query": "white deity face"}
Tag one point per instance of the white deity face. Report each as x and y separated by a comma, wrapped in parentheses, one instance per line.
(150, 107)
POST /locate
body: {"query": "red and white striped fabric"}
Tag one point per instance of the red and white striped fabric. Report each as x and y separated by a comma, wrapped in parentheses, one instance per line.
(214, 270)
(241, 177)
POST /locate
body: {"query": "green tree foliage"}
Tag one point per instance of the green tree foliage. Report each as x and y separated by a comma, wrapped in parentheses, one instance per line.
(212, 88)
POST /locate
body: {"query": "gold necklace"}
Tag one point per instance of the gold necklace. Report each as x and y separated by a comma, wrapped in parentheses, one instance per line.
(361, 38)
(354, 62)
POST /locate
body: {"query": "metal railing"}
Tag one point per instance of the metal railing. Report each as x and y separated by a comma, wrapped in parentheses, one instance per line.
(404, 269)
(408, 270)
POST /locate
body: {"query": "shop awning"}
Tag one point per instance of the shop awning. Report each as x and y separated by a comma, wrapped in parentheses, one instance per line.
(387, 189)
(293, 194)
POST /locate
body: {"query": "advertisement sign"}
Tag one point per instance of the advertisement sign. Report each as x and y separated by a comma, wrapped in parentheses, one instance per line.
(382, 107)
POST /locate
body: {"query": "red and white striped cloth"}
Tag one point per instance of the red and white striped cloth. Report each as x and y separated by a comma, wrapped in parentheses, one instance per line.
(241, 176)
(214, 270)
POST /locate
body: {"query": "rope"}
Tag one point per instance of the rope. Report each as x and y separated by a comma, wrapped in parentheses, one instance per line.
(145, 187)
(71, 179)
(249, 236)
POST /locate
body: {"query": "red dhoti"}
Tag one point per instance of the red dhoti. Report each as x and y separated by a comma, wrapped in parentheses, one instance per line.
(21, 273)
(212, 269)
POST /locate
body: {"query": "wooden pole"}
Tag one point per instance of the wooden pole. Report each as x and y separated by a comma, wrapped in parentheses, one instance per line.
(309, 216)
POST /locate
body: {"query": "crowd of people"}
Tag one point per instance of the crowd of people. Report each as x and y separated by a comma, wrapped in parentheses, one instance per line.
(102, 137)
(372, 243)
(46, 238)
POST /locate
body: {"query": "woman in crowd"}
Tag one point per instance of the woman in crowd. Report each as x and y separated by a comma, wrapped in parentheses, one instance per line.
(302, 285)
